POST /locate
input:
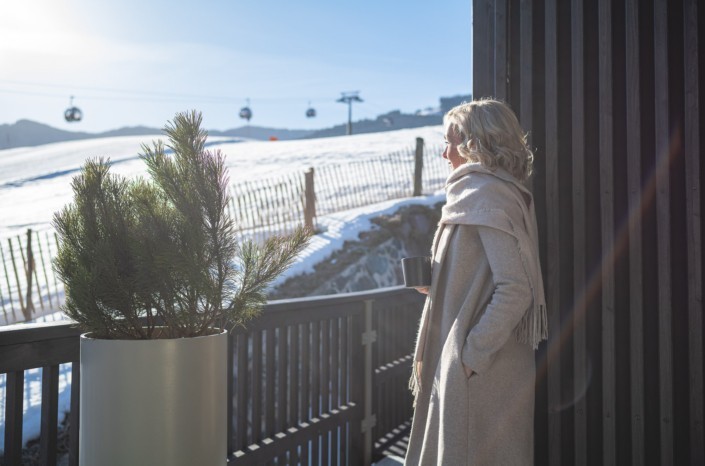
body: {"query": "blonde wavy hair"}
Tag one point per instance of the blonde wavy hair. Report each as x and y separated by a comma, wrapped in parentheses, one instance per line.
(492, 136)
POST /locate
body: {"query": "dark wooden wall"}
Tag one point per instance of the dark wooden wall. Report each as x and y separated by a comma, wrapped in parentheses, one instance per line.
(610, 92)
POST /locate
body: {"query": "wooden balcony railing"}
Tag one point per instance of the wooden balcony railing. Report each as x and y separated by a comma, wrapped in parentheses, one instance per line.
(312, 381)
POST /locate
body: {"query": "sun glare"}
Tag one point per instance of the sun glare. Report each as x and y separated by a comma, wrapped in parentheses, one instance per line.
(37, 26)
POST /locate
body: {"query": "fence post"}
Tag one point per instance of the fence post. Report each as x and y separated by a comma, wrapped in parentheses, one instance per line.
(29, 309)
(17, 277)
(309, 199)
(418, 167)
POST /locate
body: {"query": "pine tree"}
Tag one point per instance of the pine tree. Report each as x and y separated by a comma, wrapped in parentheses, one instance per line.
(159, 258)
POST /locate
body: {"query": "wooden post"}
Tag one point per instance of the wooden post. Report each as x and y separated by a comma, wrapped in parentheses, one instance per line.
(29, 308)
(309, 199)
(418, 167)
(29, 270)
(17, 277)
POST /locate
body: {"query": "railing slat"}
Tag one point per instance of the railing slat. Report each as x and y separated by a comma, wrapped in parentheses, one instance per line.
(14, 388)
(256, 388)
(294, 394)
(336, 368)
(294, 371)
(281, 417)
(270, 384)
(357, 377)
(50, 412)
(242, 393)
(231, 397)
(74, 414)
(344, 393)
(325, 384)
(315, 385)
(305, 384)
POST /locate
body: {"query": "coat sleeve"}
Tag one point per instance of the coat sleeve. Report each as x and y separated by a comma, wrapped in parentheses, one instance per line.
(510, 300)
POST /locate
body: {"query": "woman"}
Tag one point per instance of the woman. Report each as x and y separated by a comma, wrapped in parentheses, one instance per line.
(485, 313)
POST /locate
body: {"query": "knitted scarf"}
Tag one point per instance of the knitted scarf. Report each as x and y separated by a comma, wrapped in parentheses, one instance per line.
(488, 199)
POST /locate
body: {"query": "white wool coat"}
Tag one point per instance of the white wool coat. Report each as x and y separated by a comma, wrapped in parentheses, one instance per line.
(485, 312)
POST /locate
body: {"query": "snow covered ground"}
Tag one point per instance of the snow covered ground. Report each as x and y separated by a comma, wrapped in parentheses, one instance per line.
(35, 182)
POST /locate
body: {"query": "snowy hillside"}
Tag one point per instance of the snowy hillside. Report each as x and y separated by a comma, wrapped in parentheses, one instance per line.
(35, 182)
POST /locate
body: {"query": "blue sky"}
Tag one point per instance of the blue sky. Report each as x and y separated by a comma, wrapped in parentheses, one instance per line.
(138, 62)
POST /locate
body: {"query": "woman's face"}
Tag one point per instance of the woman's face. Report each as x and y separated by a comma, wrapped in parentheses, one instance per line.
(450, 153)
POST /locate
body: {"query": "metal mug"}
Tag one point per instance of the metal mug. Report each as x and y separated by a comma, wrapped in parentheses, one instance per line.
(417, 271)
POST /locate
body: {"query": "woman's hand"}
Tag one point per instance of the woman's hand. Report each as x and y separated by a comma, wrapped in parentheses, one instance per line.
(422, 289)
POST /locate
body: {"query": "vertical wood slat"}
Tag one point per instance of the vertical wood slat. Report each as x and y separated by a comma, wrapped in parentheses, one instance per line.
(345, 368)
(49, 417)
(315, 384)
(357, 377)
(14, 389)
(579, 228)
(607, 235)
(636, 282)
(294, 370)
(501, 41)
(44, 273)
(242, 393)
(337, 367)
(694, 239)
(526, 69)
(661, 145)
(270, 383)
(281, 416)
(256, 387)
(75, 413)
(325, 384)
(483, 57)
(552, 233)
(231, 397)
(326, 369)
(377, 350)
(380, 399)
(305, 384)
(31, 254)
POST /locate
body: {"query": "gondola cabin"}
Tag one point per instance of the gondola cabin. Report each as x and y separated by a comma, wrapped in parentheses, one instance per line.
(73, 114)
(246, 113)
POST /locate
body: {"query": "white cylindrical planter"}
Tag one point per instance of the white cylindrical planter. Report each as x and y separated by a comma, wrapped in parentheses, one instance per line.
(153, 402)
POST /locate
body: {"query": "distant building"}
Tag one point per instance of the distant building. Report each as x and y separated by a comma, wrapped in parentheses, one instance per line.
(449, 102)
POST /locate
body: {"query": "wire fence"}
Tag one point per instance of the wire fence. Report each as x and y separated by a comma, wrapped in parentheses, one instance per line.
(260, 208)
